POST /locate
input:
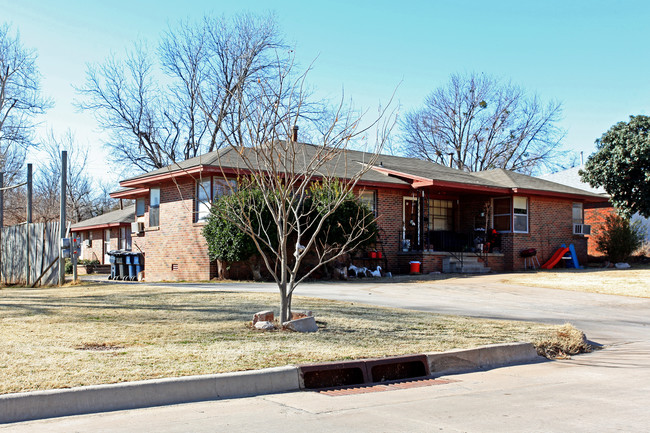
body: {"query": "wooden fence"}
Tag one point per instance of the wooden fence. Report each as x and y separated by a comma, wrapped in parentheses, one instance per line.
(43, 253)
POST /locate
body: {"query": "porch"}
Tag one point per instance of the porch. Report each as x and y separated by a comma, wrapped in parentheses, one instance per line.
(448, 232)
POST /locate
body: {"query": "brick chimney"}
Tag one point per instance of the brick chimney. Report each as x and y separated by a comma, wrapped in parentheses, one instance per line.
(294, 133)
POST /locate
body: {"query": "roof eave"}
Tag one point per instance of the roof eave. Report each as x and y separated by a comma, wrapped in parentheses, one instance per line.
(193, 172)
(99, 226)
(130, 193)
(587, 197)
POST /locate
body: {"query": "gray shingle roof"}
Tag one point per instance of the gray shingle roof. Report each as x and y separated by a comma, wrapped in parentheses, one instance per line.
(512, 179)
(571, 178)
(126, 215)
(341, 166)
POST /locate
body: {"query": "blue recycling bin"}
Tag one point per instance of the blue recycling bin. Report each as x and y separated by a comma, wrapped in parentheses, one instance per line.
(130, 261)
(138, 262)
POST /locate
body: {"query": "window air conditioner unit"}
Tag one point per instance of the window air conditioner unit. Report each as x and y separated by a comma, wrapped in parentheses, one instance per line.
(581, 229)
(137, 227)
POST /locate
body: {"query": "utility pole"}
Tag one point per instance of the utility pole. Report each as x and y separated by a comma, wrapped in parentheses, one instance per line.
(29, 220)
(64, 174)
(2, 220)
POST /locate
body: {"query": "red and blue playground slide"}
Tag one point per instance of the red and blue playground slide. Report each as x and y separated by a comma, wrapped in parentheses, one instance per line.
(563, 252)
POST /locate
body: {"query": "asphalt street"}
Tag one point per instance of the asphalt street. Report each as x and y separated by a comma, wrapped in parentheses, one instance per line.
(605, 391)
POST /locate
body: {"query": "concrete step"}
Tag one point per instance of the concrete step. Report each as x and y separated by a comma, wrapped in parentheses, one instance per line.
(470, 265)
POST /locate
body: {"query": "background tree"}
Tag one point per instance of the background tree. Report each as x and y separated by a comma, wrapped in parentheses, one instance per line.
(285, 171)
(83, 197)
(155, 120)
(621, 165)
(481, 123)
(620, 238)
(20, 104)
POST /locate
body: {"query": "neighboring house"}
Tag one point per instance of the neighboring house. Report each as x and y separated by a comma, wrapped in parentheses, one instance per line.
(595, 214)
(104, 233)
(426, 212)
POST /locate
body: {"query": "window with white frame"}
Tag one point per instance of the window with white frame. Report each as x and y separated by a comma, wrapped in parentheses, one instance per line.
(502, 214)
(441, 215)
(209, 190)
(139, 206)
(520, 214)
(154, 207)
(369, 198)
(125, 239)
(221, 187)
(203, 199)
(578, 214)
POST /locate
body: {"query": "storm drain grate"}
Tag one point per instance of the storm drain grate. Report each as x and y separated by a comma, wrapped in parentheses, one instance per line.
(380, 387)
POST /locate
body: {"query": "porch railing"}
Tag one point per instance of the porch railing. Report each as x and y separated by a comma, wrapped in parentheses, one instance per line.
(457, 244)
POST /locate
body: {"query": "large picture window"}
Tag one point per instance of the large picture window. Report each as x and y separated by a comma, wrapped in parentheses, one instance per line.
(209, 190)
(154, 207)
(441, 215)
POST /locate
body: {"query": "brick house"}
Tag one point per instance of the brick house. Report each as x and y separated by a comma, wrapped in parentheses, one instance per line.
(426, 212)
(595, 213)
(104, 233)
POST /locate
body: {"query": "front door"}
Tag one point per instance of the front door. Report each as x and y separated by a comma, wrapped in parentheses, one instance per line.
(411, 224)
(107, 246)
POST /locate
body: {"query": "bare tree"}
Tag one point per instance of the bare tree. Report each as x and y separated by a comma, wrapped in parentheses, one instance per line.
(82, 198)
(479, 123)
(20, 103)
(128, 102)
(283, 175)
(156, 120)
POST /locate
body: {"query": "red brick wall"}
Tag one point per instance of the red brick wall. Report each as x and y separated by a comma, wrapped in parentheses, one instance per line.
(550, 224)
(176, 250)
(595, 216)
(389, 219)
(96, 249)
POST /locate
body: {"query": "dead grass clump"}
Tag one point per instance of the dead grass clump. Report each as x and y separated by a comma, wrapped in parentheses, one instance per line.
(561, 342)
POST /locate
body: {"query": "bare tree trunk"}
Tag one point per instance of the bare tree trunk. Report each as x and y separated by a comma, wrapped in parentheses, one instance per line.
(284, 304)
(222, 270)
(254, 264)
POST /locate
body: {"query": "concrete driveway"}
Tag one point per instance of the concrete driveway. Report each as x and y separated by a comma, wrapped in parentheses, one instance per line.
(608, 390)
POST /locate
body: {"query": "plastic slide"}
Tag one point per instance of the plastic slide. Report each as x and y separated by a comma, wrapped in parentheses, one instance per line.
(555, 258)
(573, 263)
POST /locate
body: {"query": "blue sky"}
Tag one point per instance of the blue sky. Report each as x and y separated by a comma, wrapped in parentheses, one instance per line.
(592, 56)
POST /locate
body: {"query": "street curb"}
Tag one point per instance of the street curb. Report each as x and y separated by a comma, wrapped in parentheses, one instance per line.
(481, 358)
(159, 392)
(146, 393)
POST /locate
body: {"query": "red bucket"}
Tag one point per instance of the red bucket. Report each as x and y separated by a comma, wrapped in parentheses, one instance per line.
(415, 267)
(373, 254)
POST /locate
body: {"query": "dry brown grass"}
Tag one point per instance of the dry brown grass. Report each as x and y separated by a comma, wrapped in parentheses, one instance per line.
(93, 334)
(625, 282)
(562, 342)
